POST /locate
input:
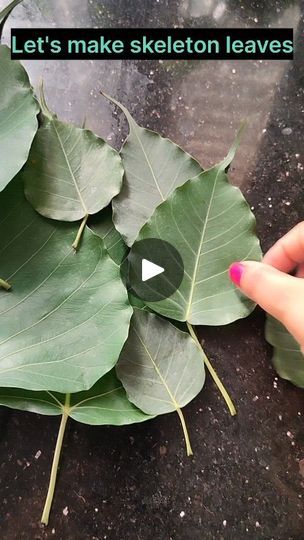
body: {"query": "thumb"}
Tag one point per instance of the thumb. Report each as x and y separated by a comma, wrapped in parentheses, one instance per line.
(277, 293)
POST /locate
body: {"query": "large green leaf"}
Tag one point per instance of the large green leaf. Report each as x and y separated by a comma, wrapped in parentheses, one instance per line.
(18, 116)
(160, 366)
(105, 403)
(287, 358)
(209, 222)
(63, 325)
(154, 167)
(71, 173)
(102, 224)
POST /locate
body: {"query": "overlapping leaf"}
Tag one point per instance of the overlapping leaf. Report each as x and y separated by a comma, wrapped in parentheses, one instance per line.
(65, 322)
(105, 403)
(287, 357)
(18, 116)
(102, 224)
(160, 366)
(154, 167)
(71, 173)
(209, 222)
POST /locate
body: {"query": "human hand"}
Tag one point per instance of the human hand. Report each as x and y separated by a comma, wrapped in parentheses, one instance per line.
(269, 284)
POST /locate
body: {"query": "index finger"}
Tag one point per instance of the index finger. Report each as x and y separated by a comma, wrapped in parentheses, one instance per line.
(288, 252)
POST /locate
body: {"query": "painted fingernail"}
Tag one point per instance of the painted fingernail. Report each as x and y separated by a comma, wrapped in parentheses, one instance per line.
(235, 272)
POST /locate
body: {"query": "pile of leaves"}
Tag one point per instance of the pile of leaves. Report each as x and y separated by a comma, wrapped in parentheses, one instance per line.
(73, 343)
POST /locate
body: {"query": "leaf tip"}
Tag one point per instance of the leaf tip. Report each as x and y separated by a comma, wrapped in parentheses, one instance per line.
(225, 164)
(44, 107)
(124, 109)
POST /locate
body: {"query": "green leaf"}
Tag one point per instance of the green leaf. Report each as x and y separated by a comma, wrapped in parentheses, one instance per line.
(71, 173)
(105, 403)
(154, 167)
(102, 224)
(18, 116)
(64, 323)
(4, 14)
(287, 358)
(160, 367)
(209, 222)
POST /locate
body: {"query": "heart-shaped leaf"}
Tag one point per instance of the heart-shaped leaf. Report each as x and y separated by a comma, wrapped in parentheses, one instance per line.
(18, 116)
(102, 224)
(287, 358)
(71, 173)
(160, 366)
(105, 403)
(154, 167)
(65, 322)
(210, 224)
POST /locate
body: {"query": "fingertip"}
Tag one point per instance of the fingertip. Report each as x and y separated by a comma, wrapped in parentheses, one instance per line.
(235, 272)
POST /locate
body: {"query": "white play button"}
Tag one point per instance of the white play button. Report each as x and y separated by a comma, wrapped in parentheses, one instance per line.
(152, 281)
(150, 270)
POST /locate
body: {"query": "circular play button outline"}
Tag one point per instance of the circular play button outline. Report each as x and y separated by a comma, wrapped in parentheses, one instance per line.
(153, 270)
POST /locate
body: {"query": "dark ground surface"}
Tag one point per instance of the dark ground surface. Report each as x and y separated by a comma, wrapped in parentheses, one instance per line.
(136, 482)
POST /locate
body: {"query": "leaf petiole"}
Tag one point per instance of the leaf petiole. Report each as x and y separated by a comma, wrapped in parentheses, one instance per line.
(5, 285)
(185, 430)
(54, 471)
(213, 373)
(80, 232)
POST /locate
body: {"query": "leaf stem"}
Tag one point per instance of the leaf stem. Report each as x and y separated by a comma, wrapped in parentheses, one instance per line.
(54, 471)
(185, 430)
(5, 285)
(213, 373)
(80, 232)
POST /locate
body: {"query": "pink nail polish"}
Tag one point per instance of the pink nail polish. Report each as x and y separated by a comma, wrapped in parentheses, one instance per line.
(235, 272)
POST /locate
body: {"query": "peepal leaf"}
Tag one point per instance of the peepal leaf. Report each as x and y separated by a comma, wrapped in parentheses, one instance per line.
(102, 224)
(71, 173)
(287, 358)
(65, 322)
(160, 367)
(105, 403)
(154, 167)
(18, 116)
(210, 224)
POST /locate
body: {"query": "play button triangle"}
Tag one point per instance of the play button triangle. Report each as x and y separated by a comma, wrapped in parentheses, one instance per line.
(149, 270)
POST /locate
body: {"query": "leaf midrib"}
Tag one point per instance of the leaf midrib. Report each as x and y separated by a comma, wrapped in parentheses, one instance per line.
(148, 162)
(193, 282)
(173, 400)
(70, 169)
